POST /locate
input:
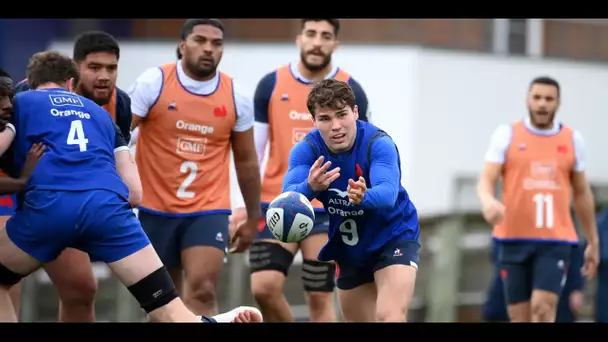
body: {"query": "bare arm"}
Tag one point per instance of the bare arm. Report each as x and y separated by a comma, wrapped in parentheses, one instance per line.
(246, 162)
(247, 170)
(584, 203)
(135, 129)
(135, 121)
(127, 169)
(9, 185)
(6, 138)
(13, 185)
(261, 98)
(143, 94)
(487, 182)
(494, 160)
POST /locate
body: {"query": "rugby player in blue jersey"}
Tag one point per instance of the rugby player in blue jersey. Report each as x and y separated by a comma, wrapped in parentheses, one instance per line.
(353, 168)
(81, 196)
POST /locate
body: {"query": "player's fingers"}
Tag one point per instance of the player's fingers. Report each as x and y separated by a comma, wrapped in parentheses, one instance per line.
(325, 167)
(588, 269)
(331, 178)
(330, 174)
(40, 147)
(34, 148)
(317, 163)
(352, 184)
(361, 183)
(354, 199)
(37, 150)
(318, 172)
(356, 192)
(245, 316)
(592, 269)
(242, 245)
(234, 242)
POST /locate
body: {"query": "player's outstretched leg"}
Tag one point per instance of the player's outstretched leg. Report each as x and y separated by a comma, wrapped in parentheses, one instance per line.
(14, 265)
(150, 283)
(72, 276)
(148, 280)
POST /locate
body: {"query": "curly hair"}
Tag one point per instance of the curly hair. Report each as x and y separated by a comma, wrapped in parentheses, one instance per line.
(51, 67)
(330, 93)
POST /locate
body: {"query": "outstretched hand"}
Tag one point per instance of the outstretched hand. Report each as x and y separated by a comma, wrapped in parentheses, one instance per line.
(356, 190)
(318, 176)
(32, 159)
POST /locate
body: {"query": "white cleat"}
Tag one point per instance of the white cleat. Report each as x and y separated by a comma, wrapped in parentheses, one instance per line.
(242, 314)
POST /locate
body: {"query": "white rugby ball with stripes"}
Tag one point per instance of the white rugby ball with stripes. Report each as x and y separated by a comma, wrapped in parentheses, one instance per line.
(290, 217)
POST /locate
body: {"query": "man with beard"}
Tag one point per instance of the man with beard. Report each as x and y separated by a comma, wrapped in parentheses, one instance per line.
(542, 164)
(96, 54)
(281, 114)
(189, 114)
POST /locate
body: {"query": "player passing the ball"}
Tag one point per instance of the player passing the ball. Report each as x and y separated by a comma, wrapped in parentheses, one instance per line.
(281, 121)
(542, 165)
(353, 168)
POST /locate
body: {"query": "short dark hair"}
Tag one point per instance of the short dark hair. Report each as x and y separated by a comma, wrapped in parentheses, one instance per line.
(177, 53)
(330, 93)
(546, 80)
(189, 25)
(333, 22)
(94, 41)
(4, 73)
(51, 67)
(6, 83)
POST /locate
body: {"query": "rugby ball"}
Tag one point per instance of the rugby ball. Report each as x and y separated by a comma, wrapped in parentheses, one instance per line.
(290, 217)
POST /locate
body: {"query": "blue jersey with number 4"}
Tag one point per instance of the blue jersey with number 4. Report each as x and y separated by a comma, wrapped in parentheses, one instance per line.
(386, 214)
(80, 139)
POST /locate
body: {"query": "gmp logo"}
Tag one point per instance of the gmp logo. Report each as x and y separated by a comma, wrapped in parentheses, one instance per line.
(298, 134)
(59, 100)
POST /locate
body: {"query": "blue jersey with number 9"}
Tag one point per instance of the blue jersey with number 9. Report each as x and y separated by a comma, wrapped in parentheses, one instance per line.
(80, 139)
(357, 233)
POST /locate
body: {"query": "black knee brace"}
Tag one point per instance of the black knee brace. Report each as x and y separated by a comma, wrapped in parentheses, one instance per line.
(8, 277)
(265, 255)
(155, 290)
(318, 276)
